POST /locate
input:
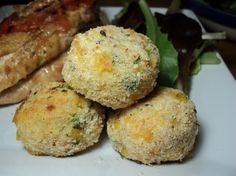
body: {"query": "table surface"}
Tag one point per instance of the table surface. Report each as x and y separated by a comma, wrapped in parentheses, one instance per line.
(227, 48)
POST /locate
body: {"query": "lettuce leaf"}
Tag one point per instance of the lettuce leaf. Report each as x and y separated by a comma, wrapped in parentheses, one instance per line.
(209, 57)
(169, 69)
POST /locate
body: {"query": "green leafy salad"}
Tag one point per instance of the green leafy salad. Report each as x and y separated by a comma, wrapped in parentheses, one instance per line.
(178, 38)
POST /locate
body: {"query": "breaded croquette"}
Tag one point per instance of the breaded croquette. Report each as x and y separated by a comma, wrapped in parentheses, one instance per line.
(55, 120)
(160, 128)
(112, 66)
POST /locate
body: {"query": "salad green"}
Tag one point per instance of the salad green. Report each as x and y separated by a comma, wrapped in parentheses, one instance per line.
(169, 69)
(178, 38)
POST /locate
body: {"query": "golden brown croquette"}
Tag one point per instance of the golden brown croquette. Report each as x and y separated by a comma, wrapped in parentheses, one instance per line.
(160, 128)
(55, 120)
(112, 66)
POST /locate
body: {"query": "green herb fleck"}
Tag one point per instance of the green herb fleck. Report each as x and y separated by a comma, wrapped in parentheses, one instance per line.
(115, 59)
(73, 115)
(69, 87)
(54, 88)
(130, 83)
(75, 142)
(79, 122)
(149, 52)
(72, 68)
(103, 33)
(137, 60)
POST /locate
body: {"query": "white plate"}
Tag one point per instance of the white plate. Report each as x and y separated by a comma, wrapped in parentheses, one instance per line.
(214, 93)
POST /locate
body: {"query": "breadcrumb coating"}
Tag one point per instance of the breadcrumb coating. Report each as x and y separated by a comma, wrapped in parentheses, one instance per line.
(112, 66)
(55, 120)
(160, 128)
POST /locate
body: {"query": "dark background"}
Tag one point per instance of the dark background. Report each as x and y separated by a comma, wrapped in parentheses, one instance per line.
(227, 48)
(163, 3)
